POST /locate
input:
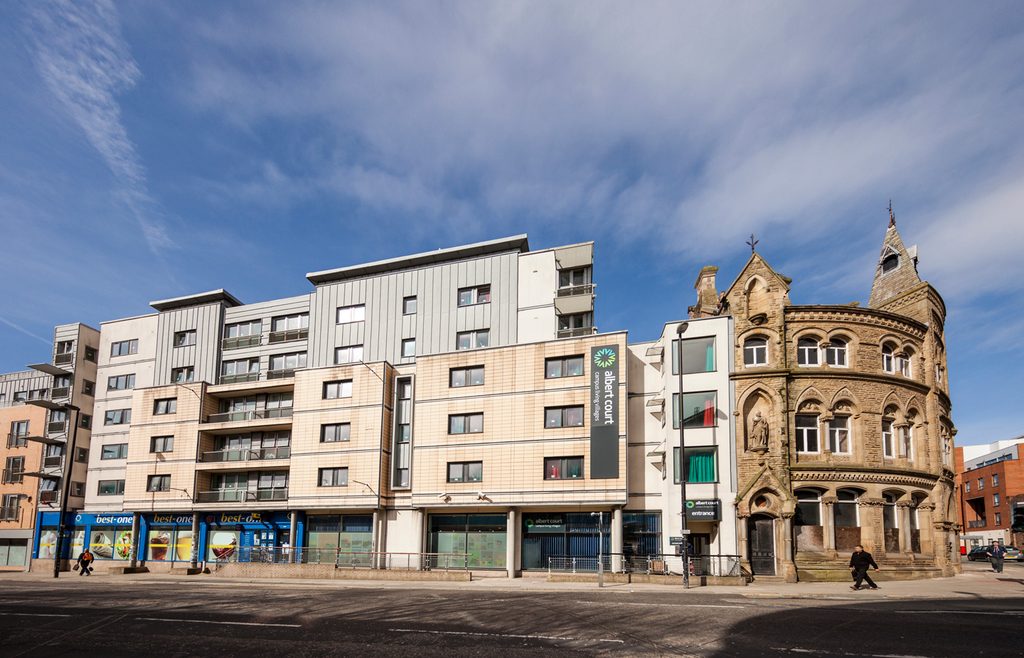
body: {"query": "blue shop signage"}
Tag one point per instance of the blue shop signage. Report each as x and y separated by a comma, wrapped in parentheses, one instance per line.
(247, 519)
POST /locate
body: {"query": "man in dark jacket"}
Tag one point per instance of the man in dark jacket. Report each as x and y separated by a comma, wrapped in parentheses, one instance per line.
(996, 553)
(85, 563)
(859, 563)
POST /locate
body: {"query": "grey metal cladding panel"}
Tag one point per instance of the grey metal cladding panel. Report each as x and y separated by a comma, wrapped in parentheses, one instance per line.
(269, 309)
(206, 321)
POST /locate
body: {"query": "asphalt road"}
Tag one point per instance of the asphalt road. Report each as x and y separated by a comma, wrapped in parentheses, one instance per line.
(107, 617)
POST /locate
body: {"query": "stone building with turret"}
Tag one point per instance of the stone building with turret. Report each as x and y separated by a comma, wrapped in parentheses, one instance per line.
(843, 427)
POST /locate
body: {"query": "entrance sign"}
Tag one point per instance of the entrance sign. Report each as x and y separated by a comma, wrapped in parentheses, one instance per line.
(704, 510)
(604, 411)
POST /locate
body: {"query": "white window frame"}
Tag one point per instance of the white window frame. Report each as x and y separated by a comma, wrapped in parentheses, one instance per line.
(408, 343)
(348, 354)
(808, 355)
(480, 294)
(350, 314)
(474, 339)
(802, 432)
(337, 389)
(185, 338)
(888, 439)
(833, 353)
(906, 440)
(409, 305)
(889, 358)
(834, 434)
(756, 348)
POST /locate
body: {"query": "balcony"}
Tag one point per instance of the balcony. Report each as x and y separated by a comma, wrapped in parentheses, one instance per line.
(249, 414)
(11, 513)
(12, 477)
(57, 427)
(287, 335)
(53, 461)
(48, 497)
(281, 374)
(238, 342)
(60, 393)
(575, 333)
(243, 495)
(980, 523)
(237, 379)
(570, 291)
(17, 440)
(64, 359)
(246, 454)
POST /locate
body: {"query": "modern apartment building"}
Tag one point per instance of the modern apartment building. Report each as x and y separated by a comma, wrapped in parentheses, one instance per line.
(990, 478)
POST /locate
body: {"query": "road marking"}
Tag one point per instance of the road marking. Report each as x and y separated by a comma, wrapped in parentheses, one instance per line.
(660, 605)
(34, 614)
(225, 623)
(822, 652)
(508, 635)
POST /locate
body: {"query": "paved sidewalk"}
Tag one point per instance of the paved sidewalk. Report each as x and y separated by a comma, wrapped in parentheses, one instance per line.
(974, 583)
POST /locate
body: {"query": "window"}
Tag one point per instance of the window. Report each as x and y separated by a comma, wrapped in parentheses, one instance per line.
(117, 417)
(999, 519)
(240, 369)
(474, 295)
(165, 406)
(335, 432)
(888, 360)
(90, 354)
(887, 442)
(807, 433)
(243, 333)
(839, 435)
(563, 417)
(563, 468)
(124, 347)
(86, 421)
(981, 483)
(563, 366)
(37, 394)
(409, 306)
(903, 363)
(465, 424)
(121, 382)
(844, 510)
(347, 314)
(470, 340)
(807, 352)
(158, 483)
(890, 263)
(995, 500)
(701, 465)
(408, 348)
(402, 438)
(19, 430)
(110, 488)
(20, 396)
(161, 444)
(81, 455)
(808, 508)
(577, 276)
(292, 322)
(114, 451)
(348, 354)
(889, 520)
(573, 322)
(835, 353)
(88, 387)
(995, 479)
(465, 471)
(287, 362)
(341, 388)
(333, 477)
(755, 351)
(65, 347)
(698, 407)
(272, 481)
(907, 441)
(698, 355)
(14, 470)
(183, 375)
(185, 338)
(460, 377)
(967, 486)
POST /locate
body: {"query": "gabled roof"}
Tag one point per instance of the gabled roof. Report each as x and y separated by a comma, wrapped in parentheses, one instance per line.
(754, 261)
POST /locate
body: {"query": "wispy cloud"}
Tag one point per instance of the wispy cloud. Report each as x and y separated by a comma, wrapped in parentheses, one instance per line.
(25, 331)
(85, 62)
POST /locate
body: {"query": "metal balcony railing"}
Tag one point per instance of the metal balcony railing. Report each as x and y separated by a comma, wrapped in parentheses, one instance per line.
(12, 477)
(60, 393)
(10, 513)
(49, 497)
(568, 291)
(287, 335)
(243, 377)
(249, 414)
(63, 359)
(53, 461)
(237, 342)
(17, 440)
(281, 373)
(579, 331)
(242, 495)
(57, 427)
(246, 454)
(980, 523)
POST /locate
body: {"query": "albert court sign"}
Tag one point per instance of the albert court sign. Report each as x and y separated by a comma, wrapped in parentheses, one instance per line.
(604, 411)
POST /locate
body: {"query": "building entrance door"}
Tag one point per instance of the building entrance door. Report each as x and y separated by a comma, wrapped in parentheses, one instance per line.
(761, 541)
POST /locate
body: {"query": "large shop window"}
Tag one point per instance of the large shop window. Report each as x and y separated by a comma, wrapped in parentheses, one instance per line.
(807, 529)
(558, 537)
(340, 539)
(169, 544)
(481, 536)
(700, 467)
(111, 543)
(698, 407)
(13, 552)
(698, 355)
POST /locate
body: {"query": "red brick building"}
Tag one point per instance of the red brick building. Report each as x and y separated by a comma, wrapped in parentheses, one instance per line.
(989, 483)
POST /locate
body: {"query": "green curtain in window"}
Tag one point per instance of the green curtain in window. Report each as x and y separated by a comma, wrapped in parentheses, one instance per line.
(709, 358)
(700, 467)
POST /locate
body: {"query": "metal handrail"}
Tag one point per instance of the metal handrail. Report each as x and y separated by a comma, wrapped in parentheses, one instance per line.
(49, 497)
(17, 440)
(246, 454)
(582, 289)
(249, 414)
(53, 461)
(286, 335)
(281, 373)
(242, 495)
(342, 559)
(980, 523)
(10, 513)
(10, 476)
(236, 342)
(63, 359)
(700, 565)
(241, 377)
(58, 393)
(580, 331)
(57, 427)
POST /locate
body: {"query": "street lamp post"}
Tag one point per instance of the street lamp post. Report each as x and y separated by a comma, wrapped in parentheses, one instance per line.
(680, 330)
(69, 456)
(600, 547)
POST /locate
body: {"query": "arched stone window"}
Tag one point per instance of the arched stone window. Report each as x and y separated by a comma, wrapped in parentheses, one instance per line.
(889, 521)
(808, 507)
(835, 353)
(807, 351)
(807, 433)
(888, 358)
(846, 519)
(755, 351)
(890, 263)
(903, 362)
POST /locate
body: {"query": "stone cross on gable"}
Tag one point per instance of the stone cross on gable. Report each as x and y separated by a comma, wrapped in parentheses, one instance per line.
(753, 243)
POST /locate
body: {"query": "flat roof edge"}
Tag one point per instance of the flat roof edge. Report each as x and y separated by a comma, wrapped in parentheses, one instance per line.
(208, 297)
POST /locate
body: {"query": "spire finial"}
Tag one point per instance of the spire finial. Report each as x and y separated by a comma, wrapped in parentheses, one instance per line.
(892, 215)
(753, 243)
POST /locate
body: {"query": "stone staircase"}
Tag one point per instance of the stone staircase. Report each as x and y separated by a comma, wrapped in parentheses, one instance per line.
(891, 568)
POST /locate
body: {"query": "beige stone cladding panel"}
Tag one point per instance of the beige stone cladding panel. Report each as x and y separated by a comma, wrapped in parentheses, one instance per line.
(514, 441)
(180, 463)
(32, 453)
(361, 454)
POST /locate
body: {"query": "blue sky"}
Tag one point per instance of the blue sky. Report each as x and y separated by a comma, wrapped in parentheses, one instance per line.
(149, 150)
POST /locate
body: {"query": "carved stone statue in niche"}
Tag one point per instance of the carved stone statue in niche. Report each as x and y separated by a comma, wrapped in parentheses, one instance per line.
(759, 432)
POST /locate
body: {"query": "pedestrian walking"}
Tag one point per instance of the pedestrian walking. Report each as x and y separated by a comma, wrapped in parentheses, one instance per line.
(84, 565)
(996, 553)
(859, 563)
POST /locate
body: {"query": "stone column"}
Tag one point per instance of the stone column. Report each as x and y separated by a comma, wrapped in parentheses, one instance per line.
(511, 543)
(903, 513)
(872, 535)
(293, 529)
(742, 541)
(195, 540)
(136, 544)
(788, 563)
(616, 540)
(828, 526)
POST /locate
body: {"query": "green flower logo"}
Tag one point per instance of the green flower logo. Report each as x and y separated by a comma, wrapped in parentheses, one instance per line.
(604, 357)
